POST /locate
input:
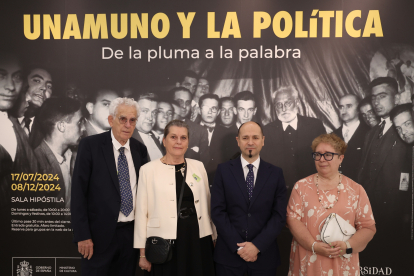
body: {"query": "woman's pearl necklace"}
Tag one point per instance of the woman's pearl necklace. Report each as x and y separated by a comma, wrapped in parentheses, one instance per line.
(317, 191)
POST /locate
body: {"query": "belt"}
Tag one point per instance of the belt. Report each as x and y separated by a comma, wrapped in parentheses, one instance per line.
(186, 212)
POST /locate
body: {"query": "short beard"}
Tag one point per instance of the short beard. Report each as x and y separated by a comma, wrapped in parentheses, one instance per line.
(250, 154)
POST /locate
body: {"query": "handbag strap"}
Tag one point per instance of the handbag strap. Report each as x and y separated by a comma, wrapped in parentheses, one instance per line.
(182, 190)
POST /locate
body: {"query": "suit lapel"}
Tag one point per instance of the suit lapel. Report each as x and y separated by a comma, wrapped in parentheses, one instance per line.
(108, 151)
(237, 171)
(263, 174)
(135, 157)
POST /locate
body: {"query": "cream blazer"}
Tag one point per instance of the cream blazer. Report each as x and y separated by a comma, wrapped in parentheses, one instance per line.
(156, 204)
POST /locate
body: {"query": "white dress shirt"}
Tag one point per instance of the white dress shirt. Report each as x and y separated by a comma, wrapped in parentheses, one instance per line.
(387, 126)
(132, 175)
(8, 137)
(293, 123)
(210, 134)
(152, 148)
(246, 169)
(64, 164)
(349, 130)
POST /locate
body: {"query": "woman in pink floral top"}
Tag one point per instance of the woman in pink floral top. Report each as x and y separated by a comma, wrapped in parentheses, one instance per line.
(312, 200)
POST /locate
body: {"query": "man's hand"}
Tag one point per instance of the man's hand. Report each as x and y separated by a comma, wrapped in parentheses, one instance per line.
(248, 252)
(86, 248)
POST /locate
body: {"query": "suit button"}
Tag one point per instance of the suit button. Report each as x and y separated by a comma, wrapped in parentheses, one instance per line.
(199, 218)
(191, 184)
(249, 215)
(196, 201)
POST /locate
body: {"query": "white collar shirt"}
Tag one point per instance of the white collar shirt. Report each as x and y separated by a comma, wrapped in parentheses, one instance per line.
(96, 128)
(293, 124)
(210, 133)
(132, 175)
(152, 148)
(255, 164)
(387, 126)
(349, 130)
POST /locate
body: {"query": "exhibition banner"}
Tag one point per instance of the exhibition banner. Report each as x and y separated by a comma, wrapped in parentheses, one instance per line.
(167, 55)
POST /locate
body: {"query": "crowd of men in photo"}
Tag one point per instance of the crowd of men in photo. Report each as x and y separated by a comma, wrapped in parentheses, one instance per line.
(40, 132)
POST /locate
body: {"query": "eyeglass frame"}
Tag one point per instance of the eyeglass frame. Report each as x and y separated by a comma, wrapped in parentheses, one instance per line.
(287, 104)
(120, 119)
(323, 154)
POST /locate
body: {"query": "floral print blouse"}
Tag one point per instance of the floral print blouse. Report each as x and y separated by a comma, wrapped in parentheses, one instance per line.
(353, 206)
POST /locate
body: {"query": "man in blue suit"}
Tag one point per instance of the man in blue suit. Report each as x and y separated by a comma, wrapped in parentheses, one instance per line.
(248, 207)
(104, 185)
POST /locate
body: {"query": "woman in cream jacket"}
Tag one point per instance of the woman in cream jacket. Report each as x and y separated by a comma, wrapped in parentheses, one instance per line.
(159, 187)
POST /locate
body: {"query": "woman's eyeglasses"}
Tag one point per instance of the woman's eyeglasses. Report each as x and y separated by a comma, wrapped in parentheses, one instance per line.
(328, 156)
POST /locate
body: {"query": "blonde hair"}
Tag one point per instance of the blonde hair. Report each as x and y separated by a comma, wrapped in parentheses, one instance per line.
(332, 139)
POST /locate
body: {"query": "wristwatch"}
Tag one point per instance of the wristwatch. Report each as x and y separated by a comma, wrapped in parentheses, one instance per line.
(348, 248)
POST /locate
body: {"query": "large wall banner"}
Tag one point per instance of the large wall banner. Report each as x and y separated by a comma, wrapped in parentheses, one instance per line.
(63, 61)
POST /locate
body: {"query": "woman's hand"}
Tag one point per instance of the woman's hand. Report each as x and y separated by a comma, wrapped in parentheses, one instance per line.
(327, 250)
(341, 245)
(144, 264)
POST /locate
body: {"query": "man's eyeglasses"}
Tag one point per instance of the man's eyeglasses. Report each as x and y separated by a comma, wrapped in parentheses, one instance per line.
(123, 120)
(328, 156)
(287, 104)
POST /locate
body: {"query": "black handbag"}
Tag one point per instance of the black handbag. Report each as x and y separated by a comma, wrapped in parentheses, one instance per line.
(157, 249)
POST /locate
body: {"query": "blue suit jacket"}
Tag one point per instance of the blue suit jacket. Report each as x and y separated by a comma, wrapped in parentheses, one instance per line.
(232, 213)
(96, 198)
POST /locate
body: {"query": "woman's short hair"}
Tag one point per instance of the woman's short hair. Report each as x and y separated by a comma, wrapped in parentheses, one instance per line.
(177, 123)
(113, 107)
(332, 139)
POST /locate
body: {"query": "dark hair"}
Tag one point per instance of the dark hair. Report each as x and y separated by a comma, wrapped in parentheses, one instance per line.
(54, 110)
(209, 96)
(226, 99)
(365, 101)
(391, 82)
(261, 129)
(187, 73)
(148, 96)
(177, 123)
(397, 110)
(29, 68)
(96, 92)
(244, 96)
(172, 92)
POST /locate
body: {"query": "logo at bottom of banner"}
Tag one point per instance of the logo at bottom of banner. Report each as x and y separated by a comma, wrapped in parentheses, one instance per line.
(24, 269)
(366, 270)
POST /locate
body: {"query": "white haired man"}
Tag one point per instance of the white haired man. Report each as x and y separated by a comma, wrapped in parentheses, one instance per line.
(104, 188)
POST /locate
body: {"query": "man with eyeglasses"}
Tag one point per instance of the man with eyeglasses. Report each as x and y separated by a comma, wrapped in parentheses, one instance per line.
(353, 133)
(385, 165)
(97, 106)
(148, 116)
(104, 187)
(367, 112)
(289, 137)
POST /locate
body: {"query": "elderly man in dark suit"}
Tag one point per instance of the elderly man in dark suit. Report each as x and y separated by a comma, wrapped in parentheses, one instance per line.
(385, 173)
(290, 136)
(104, 188)
(61, 122)
(97, 106)
(353, 133)
(248, 208)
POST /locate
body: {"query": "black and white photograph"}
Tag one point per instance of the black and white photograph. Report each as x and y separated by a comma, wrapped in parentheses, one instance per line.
(345, 68)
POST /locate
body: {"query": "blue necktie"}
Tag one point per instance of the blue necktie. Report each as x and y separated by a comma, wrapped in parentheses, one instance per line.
(250, 181)
(124, 183)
